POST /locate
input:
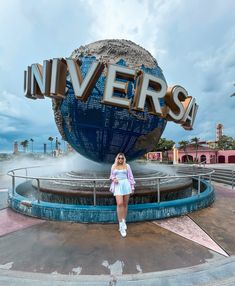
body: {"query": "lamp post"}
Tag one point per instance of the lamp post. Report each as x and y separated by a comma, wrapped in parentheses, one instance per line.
(166, 154)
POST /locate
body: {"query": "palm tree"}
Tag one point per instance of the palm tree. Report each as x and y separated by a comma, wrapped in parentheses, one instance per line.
(51, 139)
(56, 143)
(32, 144)
(183, 145)
(195, 142)
(24, 144)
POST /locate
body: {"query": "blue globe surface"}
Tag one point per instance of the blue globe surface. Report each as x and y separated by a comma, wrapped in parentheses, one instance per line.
(99, 131)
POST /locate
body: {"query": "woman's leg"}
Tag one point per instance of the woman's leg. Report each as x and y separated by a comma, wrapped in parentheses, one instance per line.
(125, 205)
(120, 207)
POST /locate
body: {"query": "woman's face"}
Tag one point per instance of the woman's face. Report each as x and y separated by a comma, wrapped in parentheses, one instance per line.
(120, 159)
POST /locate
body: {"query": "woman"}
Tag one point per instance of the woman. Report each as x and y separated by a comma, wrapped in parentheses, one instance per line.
(122, 186)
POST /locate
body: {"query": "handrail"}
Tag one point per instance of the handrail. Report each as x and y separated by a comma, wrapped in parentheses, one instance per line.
(199, 164)
(203, 163)
(210, 171)
(232, 179)
(95, 180)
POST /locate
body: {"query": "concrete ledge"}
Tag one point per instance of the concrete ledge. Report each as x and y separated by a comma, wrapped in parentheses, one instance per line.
(107, 214)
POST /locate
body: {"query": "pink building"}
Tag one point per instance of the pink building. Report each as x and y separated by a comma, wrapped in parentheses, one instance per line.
(204, 154)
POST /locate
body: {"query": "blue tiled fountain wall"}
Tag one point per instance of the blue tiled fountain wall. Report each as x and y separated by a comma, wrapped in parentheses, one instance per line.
(107, 214)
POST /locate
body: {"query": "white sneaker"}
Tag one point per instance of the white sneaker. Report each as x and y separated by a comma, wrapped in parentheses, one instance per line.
(122, 229)
(124, 224)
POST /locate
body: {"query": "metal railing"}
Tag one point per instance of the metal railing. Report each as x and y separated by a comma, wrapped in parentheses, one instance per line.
(232, 179)
(204, 165)
(158, 179)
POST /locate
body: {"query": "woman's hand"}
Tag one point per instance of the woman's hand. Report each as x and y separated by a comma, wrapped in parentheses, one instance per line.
(115, 180)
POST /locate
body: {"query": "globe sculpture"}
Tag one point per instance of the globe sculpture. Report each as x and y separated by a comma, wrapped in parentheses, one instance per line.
(98, 131)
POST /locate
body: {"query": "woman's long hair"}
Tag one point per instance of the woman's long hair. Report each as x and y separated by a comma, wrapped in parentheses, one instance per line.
(116, 160)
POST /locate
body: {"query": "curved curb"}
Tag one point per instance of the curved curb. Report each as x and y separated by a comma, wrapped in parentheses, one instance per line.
(213, 272)
(107, 214)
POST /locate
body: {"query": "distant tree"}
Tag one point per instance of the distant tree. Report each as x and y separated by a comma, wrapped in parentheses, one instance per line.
(24, 144)
(31, 140)
(195, 142)
(183, 145)
(57, 143)
(226, 143)
(164, 145)
(51, 140)
(59, 147)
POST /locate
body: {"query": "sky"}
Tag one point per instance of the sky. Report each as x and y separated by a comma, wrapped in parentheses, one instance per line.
(192, 40)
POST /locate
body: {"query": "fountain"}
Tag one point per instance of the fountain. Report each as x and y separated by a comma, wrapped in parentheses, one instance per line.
(85, 197)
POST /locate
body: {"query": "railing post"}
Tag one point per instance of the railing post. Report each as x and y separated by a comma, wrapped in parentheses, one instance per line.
(13, 183)
(26, 174)
(158, 190)
(94, 194)
(210, 179)
(232, 179)
(39, 193)
(199, 185)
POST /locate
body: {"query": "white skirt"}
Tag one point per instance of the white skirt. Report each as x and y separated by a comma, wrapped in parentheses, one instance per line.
(122, 188)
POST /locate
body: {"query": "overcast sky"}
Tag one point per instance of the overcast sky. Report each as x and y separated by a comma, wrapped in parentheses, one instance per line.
(192, 40)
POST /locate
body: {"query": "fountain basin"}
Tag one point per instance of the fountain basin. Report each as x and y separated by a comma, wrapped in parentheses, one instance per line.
(78, 197)
(107, 214)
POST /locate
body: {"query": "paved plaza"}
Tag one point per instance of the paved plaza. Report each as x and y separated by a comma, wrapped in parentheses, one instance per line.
(197, 249)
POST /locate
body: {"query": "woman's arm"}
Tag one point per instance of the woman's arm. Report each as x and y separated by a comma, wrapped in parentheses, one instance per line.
(130, 177)
(112, 176)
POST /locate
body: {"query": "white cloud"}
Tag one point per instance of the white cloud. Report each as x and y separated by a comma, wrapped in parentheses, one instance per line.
(139, 21)
(6, 126)
(15, 30)
(14, 106)
(20, 108)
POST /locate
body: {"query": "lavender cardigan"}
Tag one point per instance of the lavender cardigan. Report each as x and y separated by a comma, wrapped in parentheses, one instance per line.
(129, 177)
